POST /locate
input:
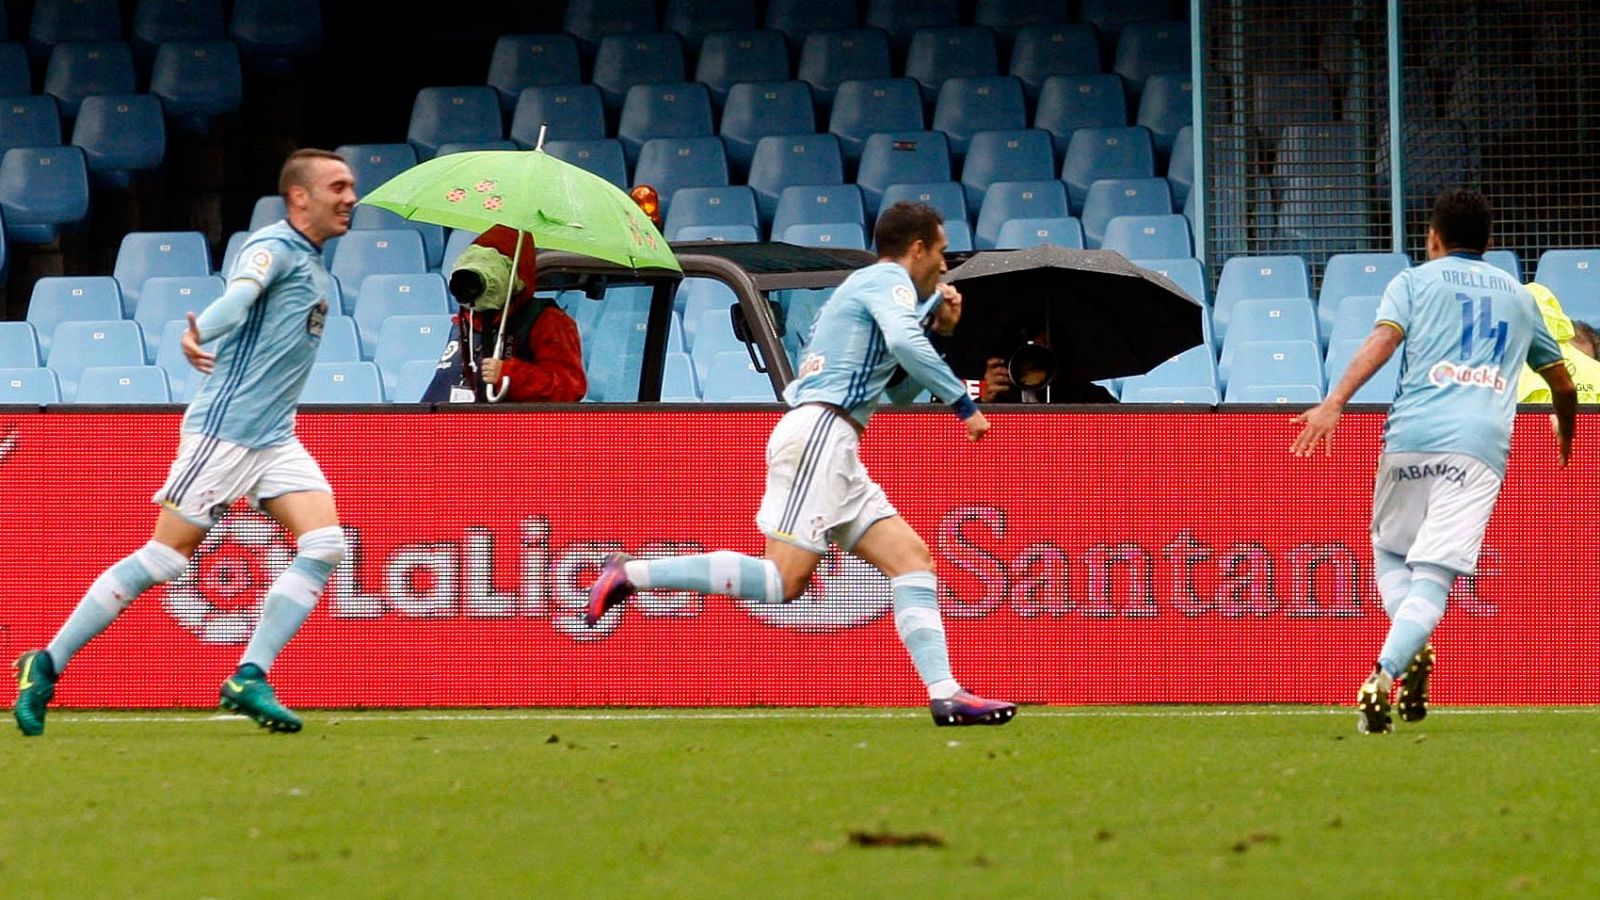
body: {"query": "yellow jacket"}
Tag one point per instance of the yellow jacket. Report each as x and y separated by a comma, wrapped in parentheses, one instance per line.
(1585, 370)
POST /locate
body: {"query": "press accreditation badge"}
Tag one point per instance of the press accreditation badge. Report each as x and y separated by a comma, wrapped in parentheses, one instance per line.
(461, 394)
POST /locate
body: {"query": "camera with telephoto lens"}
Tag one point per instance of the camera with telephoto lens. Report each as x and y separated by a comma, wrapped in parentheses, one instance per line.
(1032, 366)
(481, 278)
(466, 286)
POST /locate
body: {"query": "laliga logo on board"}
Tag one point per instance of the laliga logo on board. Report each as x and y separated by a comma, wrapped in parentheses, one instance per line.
(845, 593)
(1480, 376)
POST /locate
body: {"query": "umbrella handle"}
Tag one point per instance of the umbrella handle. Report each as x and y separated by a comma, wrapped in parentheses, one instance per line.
(495, 392)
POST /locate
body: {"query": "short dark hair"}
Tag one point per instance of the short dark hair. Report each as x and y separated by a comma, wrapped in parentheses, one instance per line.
(1462, 218)
(297, 168)
(903, 224)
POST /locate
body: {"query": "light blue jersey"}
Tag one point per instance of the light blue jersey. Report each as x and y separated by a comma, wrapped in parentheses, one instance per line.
(250, 397)
(1468, 328)
(870, 327)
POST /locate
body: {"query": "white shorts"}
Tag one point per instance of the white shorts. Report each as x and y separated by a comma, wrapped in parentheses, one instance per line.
(817, 489)
(1433, 507)
(210, 473)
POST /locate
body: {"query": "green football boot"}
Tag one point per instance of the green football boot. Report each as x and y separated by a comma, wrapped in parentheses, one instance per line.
(36, 685)
(1412, 700)
(248, 694)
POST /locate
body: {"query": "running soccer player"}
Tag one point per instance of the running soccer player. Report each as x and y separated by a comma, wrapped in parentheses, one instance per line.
(817, 489)
(1467, 328)
(237, 441)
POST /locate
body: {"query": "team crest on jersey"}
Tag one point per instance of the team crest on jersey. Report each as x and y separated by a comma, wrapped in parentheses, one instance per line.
(317, 318)
(904, 296)
(258, 265)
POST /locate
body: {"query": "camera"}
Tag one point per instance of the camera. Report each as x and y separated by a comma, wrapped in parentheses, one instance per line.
(481, 278)
(466, 286)
(1032, 366)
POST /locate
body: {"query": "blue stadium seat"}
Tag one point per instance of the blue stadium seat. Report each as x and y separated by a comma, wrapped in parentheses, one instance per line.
(902, 18)
(625, 60)
(197, 80)
(1352, 318)
(44, 191)
(677, 380)
(1379, 388)
(382, 297)
(819, 204)
(79, 70)
(1286, 319)
(76, 345)
(731, 233)
(830, 58)
(1280, 394)
(276, 29)
(728, 58)
(694, 20)
(1145, 49)
(936, 54)
(712, 334)
(1180, 166)
(614, 352)
(994, 156)
(374, 164)
(603, 157)
(120, 135)
(1043, 51)
(1574, 277)
(122, 384)
(457, 241)
(1004, 200)
(171, 298)
(863, 108)
(449, 147)
(783, 161)
(671, 164)
(29, 122)
(1165, 108)
(1112, 197)
(663, 110)
(902, 157)
(63, 21)
(156, 22)
(58, 299)
(711, 206)
(967, 106)
(15, 79)
(1349, 274)
(1200, 395)
(698, 296)
(1062, 231)
(1095, 154)
(959, 234)
(1186, 273)
(757, 110)
(1109, 17)
(28, 385)
(373, 218)
(798, 18)
(1505, 261)
(1149, 237)
(522, 61)
(269, 208)
(732, 378)
(947, 197)
(377, 252)
(1193, 368)
(340, 341)
(1275, 363)
(1012, 15)
(847, 235)
(404, 338)
(440, 115)
(145, 254)
(591, 20)
(1247, 277)
(344, 382)
(231, 252)
(19, 345)
(182, 379)
(573, 112)
(1070, 102)
(415, 377)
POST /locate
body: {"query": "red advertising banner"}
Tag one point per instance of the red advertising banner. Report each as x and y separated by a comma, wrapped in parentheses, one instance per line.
(1094, 557)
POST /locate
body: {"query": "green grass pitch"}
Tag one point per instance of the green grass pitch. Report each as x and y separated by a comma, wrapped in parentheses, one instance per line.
(1079, 802)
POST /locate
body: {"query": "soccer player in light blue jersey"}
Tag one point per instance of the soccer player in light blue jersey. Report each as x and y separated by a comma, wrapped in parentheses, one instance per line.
(1466, 329)
(238, 441)
(870, 339)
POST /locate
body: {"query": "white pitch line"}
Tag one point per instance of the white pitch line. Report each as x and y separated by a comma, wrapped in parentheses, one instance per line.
(179, 717)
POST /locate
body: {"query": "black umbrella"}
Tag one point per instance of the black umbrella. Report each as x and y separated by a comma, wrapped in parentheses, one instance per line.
(1104, 316)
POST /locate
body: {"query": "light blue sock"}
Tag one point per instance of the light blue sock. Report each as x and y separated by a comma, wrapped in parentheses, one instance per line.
(293, 595)
(111, 593)
(721, 572)
(1394, 579)
(916, 618)
(1417, 617)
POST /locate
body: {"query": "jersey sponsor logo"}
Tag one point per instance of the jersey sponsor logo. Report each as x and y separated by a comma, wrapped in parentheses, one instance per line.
(317, 318)
(810, 366)
(1448, 373)
(904, 296)
(1446, 471)
(258, 265)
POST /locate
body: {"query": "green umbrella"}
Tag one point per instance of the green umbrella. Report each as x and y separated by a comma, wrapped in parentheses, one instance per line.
(562, 206)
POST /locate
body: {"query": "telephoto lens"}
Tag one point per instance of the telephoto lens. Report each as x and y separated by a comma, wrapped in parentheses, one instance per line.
(466, 286)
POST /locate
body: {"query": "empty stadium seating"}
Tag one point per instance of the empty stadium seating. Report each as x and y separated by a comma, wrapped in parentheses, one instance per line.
(663, 110)
(532, 60)
(145, 254)
(120, 135)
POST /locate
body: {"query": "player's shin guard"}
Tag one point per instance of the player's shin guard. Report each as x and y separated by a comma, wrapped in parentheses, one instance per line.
(722, 572)
(916, 618)
(1416, 618)
(110, 594)
(294, 594)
